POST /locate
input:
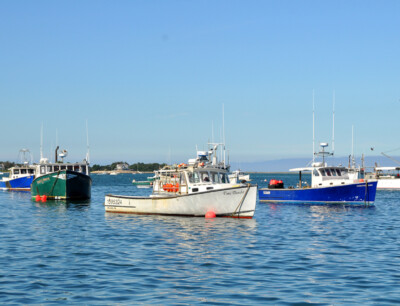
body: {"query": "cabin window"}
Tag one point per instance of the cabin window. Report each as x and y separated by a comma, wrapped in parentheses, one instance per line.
(83, 169)
(31, 171)
(315, 172)
(56, 168)
(70, 168)
(49, 169)
(333, 172)
(205, 177)
(194, 177)
(215, 177)
(322, 172)
(328, 172)
(63, 167)
(23, 171)
(338, 172)
(16, 171)
(182, 179)
(76, 168)
(224, 178)
(42, 169)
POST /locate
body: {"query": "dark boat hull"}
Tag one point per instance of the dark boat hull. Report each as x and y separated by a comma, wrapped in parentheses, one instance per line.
(63, 185)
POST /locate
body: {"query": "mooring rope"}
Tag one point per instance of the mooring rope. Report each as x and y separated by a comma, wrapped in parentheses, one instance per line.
(241, 201)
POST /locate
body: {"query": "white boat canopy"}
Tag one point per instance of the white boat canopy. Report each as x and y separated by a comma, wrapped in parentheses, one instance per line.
(302, 169)
(387, 168)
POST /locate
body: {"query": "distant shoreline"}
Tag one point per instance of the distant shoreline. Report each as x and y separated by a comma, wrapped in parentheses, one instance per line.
(119, 172)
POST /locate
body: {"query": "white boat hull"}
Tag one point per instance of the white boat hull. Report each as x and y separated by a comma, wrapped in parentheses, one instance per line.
(388, 184)
(236, 202)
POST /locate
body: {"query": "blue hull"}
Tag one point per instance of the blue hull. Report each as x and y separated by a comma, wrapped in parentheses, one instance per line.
(357, 193)
(21, 183)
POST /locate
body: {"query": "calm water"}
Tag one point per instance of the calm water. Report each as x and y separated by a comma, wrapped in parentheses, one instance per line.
(75, 253)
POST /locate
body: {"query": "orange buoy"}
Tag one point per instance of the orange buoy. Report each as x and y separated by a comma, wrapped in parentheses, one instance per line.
(44, 198)
(37, 198)
(210, 214)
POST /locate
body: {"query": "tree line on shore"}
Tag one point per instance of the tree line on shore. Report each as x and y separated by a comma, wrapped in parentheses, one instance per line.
(143, 167)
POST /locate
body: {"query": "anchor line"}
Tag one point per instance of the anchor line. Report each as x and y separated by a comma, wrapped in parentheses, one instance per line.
(241, 201)
(54, 184)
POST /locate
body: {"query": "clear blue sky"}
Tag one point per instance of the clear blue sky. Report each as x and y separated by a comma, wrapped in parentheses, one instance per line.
(151, 77)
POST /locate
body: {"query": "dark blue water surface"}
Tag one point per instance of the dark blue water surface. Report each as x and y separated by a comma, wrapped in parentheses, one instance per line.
(75, 253)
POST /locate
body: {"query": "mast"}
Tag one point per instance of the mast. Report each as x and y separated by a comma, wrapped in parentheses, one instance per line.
(313, 127)
(87, 143)
(333, 125)
(41, 142)
(223, 131)
(352, 145)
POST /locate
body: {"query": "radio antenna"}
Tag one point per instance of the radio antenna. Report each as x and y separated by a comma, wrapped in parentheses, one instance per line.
(333, 125)
(87, 143)
(41, 142)
(313, 126)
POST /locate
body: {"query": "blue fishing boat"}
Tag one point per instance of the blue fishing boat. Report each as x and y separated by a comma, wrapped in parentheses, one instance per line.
(20, 178)
(329, 185)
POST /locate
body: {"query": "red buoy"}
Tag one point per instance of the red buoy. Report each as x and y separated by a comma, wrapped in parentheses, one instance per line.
(37, 198)
(44, 198)
(210, 215)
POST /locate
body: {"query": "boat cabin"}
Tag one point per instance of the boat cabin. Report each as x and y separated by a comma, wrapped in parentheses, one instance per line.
(323, 176)
(190, 180)
(201, 174)
(384, 173)
(21, 171)
(55, 167)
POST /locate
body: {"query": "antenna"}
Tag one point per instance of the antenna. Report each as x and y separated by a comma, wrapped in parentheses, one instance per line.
(87, 143)
(333, 125)
(212, 131)
(313, 126)
(41, 142)
(223, 130)
(352, 140)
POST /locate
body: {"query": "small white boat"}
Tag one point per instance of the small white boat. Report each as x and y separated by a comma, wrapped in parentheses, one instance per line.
(113, 173)
(388, 177)
(238, 176)
(195, 189)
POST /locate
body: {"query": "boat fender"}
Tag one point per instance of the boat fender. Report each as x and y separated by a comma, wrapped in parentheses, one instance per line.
(37, 198)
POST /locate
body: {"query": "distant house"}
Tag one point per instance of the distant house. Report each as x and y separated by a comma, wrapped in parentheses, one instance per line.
(123, 166)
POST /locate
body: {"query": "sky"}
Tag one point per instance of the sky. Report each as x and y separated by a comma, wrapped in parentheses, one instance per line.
(155, 79)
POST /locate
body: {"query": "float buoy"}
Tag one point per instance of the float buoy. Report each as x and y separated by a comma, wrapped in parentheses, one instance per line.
(210, 215)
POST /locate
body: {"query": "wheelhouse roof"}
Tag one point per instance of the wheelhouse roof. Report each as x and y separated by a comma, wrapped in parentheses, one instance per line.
(312, 168)
(387, 168)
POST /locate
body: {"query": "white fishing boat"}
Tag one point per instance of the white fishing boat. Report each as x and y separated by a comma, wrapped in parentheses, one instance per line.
(199, 188)
(238, 176)
(388, 177)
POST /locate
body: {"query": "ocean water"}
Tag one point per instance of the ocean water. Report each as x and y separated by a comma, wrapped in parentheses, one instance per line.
(75, 253)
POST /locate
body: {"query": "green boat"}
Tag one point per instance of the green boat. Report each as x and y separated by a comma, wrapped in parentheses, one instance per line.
(142, 184)
(62, 181)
